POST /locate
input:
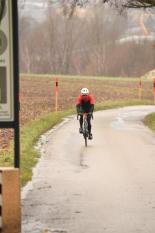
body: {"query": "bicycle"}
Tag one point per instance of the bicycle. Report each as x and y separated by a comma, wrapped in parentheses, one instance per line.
(85, 131)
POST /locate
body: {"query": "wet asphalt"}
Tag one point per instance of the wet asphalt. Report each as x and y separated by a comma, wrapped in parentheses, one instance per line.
(108, 187)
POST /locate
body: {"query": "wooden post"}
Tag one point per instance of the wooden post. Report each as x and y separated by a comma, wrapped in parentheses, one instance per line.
(154, 89)
(10, 204)
(140, 89)
(56, 94)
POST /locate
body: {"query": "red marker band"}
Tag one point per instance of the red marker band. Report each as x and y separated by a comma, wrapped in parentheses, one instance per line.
(154, 85)
(140, 83)
(56, 94)
(56, 85)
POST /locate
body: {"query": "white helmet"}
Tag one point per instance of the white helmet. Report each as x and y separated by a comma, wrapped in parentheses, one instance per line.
(84, 91)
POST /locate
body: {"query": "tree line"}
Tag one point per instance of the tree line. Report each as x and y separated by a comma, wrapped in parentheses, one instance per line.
(88, 43)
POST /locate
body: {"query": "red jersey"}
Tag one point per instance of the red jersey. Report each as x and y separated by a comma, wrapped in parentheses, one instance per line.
(85, 103)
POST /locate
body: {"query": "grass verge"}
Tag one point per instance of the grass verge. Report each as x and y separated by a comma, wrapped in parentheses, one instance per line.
(121, 103)
(31, 131)
(150, 121)
(103, 78)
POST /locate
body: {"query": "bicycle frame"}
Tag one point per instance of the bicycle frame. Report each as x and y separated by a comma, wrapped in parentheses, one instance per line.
(85, 124)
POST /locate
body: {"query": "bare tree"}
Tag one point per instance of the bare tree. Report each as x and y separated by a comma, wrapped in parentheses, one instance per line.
(132, 3)
(70, 6)
(86, 43)
(125, 3)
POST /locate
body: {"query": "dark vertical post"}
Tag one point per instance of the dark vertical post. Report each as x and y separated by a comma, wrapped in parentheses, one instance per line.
(16, 83)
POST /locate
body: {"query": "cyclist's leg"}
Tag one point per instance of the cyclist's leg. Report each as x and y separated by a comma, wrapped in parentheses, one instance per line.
(81, 124)
(89, 126)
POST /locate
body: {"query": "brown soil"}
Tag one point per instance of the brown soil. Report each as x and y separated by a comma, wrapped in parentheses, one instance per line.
(37, 96)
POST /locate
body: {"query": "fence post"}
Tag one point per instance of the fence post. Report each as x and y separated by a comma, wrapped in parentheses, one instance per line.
(10, 206)
(140, 89)
(56, 94)
(154, 89)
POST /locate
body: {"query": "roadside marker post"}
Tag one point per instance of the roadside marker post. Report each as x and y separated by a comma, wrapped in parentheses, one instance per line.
(154, 89)
(56, 93)
(140, 89)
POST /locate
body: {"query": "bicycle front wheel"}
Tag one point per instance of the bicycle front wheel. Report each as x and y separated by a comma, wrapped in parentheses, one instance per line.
(85, 138)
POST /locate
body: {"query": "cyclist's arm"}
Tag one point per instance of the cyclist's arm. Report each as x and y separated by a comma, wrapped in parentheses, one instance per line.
(91, 99)
(78, 108)
(78, 104)
(92, 108)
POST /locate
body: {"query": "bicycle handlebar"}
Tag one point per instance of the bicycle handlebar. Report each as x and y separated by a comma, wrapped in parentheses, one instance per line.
(79, 114)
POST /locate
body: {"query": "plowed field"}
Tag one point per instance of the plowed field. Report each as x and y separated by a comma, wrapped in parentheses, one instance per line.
(37, 95)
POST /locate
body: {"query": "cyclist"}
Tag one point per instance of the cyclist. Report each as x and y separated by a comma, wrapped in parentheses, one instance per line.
(85, 104)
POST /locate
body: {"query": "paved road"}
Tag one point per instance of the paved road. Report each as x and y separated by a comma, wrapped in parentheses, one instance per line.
(108, 187)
